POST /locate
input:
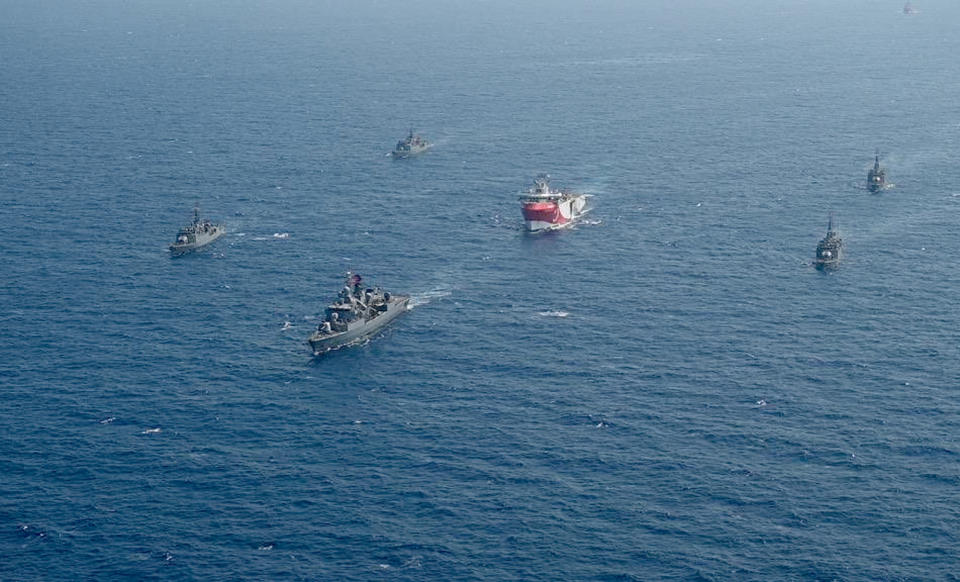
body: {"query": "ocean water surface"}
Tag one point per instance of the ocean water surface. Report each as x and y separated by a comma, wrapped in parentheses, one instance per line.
(668, 390)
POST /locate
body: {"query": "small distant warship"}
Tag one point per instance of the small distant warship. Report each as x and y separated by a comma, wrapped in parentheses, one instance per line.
(877, 176)
(830, 248)
(356, 315)
(197, 234)
(411, 145)
(909, 9)
(547, 209)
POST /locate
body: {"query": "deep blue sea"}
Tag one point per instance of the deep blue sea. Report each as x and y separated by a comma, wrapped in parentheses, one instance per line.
(668, 391)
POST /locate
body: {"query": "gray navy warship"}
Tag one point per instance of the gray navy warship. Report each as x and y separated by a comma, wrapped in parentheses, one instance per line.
(197, 234)
(830, 248)
(877, 176)
(411, 145)
(356, 315)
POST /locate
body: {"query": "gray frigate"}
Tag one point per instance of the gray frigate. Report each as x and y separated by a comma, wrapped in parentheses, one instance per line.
(411, 145)
(877, 176)
(356, 315)
(830, 248)
(197, 234)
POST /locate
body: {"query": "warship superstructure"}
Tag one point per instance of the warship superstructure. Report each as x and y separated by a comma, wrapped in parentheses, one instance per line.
(877, 176)
(547, 209)
(830, 247)
(411, 145)
(357, 314)
(197, 234)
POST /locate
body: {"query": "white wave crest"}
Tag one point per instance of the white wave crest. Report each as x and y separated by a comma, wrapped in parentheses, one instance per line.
(554, 313)
(418, 299)
(274, 236)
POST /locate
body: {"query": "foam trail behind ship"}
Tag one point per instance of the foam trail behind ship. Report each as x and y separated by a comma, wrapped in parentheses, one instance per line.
(418, 299)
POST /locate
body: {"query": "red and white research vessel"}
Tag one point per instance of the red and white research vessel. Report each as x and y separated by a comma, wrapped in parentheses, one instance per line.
(548, 209)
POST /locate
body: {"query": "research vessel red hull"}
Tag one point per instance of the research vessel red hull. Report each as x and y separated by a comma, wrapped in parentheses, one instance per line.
(547, 209)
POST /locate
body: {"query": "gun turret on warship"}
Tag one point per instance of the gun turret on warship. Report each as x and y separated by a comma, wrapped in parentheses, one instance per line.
(877, 176)
(411, 145)
(197, 234)
(830, 248)
(548, 209)
(356, 315)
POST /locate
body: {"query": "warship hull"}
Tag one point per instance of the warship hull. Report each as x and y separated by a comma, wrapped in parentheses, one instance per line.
(198, 241)
(829, 254)
(358, 331)
(827, 263)
(545, 215)
(829, 249)
(409, 153)
(877, 176)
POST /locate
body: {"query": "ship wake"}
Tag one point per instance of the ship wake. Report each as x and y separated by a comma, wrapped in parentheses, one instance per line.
(418, 299)
(275, 236)
(557, 313)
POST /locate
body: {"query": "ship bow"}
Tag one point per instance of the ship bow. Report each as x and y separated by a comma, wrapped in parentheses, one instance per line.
(540, 215)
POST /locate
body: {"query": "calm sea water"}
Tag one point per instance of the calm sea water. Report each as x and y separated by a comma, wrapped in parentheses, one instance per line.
(667, 391)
